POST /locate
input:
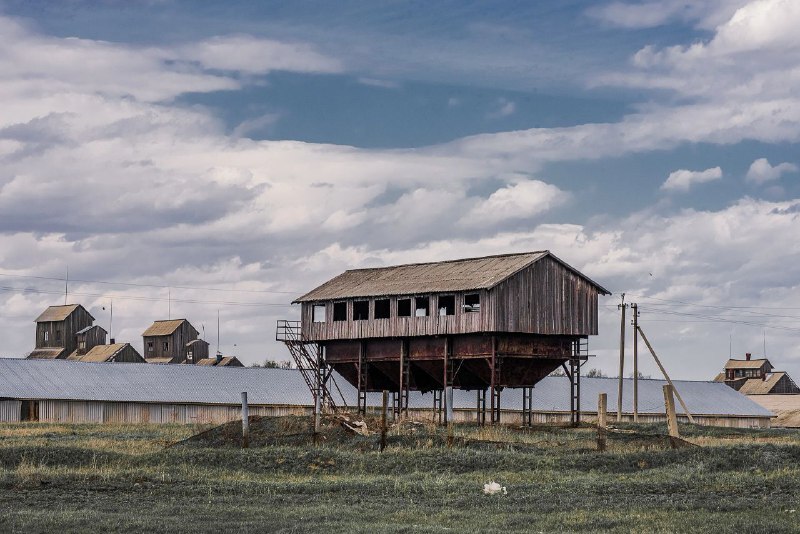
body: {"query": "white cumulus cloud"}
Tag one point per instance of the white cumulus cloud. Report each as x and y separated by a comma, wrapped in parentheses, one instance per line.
(761, 171)
(683, 179)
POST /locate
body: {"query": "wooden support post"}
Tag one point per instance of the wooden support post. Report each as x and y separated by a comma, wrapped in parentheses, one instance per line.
(385, 408)
(602, 421)
(666, 376)
(672, 418)
(622, 307)
(635, 309)
(245, 422)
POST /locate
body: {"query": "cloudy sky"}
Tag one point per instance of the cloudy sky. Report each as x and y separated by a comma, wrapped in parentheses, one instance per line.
(186, 159)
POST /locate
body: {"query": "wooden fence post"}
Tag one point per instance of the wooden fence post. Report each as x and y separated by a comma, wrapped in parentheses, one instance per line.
(602, 422)
(245, 422)
(383, 418)
(672, 418)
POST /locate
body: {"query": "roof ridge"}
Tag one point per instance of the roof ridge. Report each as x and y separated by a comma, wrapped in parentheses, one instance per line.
(459, 260)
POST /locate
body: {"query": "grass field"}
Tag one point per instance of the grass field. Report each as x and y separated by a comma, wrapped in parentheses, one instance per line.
(93, 478)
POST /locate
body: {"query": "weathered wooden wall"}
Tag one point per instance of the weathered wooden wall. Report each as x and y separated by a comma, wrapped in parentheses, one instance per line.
(77, 320)
(544, 298)
(128, 355)
(176, 343)
(95, 336)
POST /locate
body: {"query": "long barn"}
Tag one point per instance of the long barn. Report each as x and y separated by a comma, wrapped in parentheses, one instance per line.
(479, 324)
(61, 391)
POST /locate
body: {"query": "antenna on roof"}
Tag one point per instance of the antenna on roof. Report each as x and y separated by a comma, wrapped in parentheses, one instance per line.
(66, 286)
(218, 331)
(169, 303)
(730, 345)
(765, 343)
(111, 322)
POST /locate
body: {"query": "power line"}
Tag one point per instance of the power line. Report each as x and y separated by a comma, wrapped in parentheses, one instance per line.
(134, 284)
(146, 299)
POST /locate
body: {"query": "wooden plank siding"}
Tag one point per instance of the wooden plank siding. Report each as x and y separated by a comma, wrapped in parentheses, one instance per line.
(544, 298)
(63, 333)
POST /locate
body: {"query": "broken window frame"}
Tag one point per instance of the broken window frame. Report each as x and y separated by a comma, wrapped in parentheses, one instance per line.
(472, 303)
(404, 307)
(318, 313)
(384, 306)
(418, 306)
(361, 310)
(446, 308)
(339, 311)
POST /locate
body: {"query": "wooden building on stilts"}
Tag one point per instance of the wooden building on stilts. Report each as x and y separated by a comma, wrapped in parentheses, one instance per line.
(480, 324)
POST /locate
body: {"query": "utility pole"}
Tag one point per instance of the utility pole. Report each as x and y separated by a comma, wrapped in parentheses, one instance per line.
(66, 286)
(635, 309)
(622, 307)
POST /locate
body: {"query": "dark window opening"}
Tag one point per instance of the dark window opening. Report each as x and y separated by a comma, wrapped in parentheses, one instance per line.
(404, 308)
(339, 311)
(382, 309)
(318, 313)
(360, 310)
(472, 302)
(82, 344)
(447, 305)
(149, 346)
(58, 335)
(189, 356)
(46, 335)
(165, 345)
(421, 306)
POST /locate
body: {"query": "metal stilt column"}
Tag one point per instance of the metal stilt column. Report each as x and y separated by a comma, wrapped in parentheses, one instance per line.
(401, 404)
(362, 379)
(438, 404)
(527, 406)
(481, 418)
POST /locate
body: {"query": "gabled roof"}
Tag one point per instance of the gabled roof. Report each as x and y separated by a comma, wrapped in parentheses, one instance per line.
(101, 353)
(756, 386)
(746, 364)
(84, 330)
(46, 354)
(163, 328)
(227, 361)
(59, 313)
(435, 277)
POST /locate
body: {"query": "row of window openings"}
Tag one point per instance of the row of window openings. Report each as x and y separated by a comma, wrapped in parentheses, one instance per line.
(164, 346)
(421, 308)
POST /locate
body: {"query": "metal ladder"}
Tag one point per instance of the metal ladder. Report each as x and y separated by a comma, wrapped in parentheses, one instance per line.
(580, 354)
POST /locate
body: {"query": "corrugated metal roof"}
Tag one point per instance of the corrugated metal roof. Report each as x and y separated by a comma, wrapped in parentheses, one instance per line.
(134, 382)
(46, 354)
(436, 277)
(756, 386)
(57, 313)
(746, 364)
(163, 328)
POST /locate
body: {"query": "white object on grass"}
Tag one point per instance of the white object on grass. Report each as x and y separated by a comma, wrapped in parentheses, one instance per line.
(493, 488)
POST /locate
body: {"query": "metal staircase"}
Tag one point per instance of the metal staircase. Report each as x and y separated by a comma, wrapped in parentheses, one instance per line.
(307, 355)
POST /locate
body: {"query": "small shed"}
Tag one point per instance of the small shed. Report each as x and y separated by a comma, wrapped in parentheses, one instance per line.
(113, 353)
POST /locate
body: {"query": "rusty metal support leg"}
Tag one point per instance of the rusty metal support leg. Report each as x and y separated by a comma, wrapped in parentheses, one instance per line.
(527, 406)
(362, 379)
(438, 395)
(481, 416)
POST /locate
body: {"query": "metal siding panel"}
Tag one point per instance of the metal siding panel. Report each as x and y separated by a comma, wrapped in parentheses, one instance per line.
(10, 411)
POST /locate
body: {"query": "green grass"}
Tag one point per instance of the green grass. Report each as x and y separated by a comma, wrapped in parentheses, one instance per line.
(92, 478)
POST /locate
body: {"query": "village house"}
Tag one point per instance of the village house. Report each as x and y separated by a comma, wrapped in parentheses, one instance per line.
(756, 377)
(57, 330)
(173, 341)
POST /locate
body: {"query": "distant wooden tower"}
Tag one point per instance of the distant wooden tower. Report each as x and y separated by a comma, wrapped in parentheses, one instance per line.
(477, 324)
(56, 331)
(171, 341)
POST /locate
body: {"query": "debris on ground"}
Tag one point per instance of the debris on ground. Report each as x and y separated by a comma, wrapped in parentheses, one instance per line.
(493, 488)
